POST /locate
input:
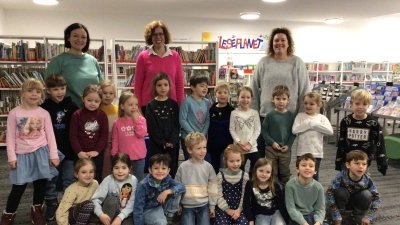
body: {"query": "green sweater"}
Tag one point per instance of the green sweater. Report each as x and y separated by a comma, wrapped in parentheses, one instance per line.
(277, 127)
(304, 200)
(78, 70)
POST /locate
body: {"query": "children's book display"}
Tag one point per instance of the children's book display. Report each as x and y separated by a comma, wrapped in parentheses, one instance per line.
(387, 103)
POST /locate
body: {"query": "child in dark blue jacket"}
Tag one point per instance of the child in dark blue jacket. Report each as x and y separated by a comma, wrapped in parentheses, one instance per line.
(218, 132)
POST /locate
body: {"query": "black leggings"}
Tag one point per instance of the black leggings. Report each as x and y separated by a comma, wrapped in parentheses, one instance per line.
(39, 191)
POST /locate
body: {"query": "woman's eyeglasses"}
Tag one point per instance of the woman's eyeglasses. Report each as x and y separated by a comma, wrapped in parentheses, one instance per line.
(158, 34)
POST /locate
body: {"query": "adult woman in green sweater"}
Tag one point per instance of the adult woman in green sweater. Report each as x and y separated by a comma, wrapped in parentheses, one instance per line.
(279, 66)
(77, 67)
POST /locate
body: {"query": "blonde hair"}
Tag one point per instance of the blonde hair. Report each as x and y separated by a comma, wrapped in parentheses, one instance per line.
(193, 139)
(222, 86)
(107, 83)
(245, 88)
(122, 99)
(83, 162)
(91, 89)
(32, 83)
(361, 96)
(232, 149)
(270, 182)
(317, 98)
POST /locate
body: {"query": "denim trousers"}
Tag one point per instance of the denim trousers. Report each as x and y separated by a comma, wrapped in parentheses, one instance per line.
(309, 219)
(199, 215)
(138, 169)
(158, 214)
(66, 174)
(275, 219)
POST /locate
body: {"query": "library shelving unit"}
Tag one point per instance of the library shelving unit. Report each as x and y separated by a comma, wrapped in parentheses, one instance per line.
(124, 53)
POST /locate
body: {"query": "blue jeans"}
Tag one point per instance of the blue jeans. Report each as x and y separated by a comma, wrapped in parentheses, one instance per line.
(66, 169)
(158, 214)
(275, 219)
(309, 219)
(199, 214)
(138, 168)
(187, 156)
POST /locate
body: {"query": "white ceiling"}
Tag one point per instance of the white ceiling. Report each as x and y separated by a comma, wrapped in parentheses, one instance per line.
(291, 10)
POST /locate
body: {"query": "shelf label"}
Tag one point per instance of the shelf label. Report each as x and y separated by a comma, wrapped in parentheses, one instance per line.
(361, 70)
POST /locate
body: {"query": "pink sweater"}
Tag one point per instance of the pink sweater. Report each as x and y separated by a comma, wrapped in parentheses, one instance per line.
(29, 130)
(128, 137)
(147, 66)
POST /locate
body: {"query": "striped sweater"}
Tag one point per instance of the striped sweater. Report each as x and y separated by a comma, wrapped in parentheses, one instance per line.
(232, 178)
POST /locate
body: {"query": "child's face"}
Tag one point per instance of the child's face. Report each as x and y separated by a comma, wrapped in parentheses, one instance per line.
(200, 90)
(198, 151)
(121, 171)
(357, 168)
(222, 96)
(162, 88)
(108, 95)
(264, 173)
(280, 102)
(32, 97)
(359, 109)
(306, 169)
(130, 106)
(310, 106)
(159, 171)
(92, 101)
(57, 93)
(245, 99)
(85, 175)
(233, 162)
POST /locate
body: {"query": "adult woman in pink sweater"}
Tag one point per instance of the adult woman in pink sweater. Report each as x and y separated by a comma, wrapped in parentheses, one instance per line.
(158, 58)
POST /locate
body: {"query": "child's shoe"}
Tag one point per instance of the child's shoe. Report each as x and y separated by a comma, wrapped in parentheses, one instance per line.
(7, 218)
(37, 215)
(51, 208)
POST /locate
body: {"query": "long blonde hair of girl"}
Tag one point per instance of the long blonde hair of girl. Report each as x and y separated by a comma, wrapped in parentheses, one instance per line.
(122, 99)
(270, 182)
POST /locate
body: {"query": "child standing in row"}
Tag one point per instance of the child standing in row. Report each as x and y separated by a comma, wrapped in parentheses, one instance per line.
(304, 196)
(360, 131)
(353, 189)
(193, 113)
(108, 96)
(32, 158)
(277, 132)
(218, 132)
(89, 129)
(263, 199)
(60, 108)
(114, 198)
(310, 128)
(231, 184)
(162, 118)
(245, 127)
(128, 133)
(157, 195)
(76, 206)
(198, 176)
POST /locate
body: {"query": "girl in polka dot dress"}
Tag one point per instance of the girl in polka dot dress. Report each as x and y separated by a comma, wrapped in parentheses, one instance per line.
(231, 184)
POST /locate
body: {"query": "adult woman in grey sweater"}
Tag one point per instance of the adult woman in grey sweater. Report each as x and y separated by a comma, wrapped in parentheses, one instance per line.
(279, 66)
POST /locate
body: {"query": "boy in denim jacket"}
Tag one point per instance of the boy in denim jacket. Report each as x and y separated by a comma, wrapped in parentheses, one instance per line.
(157, 195)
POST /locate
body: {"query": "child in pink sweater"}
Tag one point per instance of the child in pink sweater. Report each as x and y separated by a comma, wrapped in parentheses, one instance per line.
(128, 133)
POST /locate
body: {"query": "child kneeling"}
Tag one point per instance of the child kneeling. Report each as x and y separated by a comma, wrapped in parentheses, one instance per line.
(157, 195)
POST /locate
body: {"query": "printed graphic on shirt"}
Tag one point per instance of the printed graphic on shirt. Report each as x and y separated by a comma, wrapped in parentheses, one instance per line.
(196, 191)
(357, 134)
(200, 118)
(128, 130)
(60, 115)
(29, 127)
(241, 122)
(125, 195)
(91, 128)
(264, 199)
(163, 112)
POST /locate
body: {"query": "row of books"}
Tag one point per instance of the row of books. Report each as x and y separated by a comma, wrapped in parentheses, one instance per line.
(16, 79)
(206, 55)
(392, 108)
(384, 90)
(211, 75)
(128, 55)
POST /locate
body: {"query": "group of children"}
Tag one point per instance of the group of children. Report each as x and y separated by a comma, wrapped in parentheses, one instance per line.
(100, 133)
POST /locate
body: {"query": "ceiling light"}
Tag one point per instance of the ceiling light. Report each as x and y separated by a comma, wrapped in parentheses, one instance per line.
(46, 2)
(250, 15)
(274, 0)
(333, 20)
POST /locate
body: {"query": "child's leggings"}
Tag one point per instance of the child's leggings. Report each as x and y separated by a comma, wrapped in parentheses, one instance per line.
(39, 191)
(80, 214)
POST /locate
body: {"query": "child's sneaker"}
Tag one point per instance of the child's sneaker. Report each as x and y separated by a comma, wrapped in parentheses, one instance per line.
(7, 218)
(51, 208)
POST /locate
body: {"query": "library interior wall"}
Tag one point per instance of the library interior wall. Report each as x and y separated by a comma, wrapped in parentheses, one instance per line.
(373, 40)
(1, 20)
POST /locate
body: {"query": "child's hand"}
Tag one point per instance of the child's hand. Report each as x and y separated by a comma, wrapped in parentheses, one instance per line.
(54, 162)
(365, 221)
(229, 212)
(338, 222)
(305, 223)
(168, 145)
(82, 155)
(236, 214)
(285, 148)
(105, 219)
(276, 146)
(135, 115)
(179, 212)
(92, 154)
(251, 223)
(212, 213)
(163, 195)
(117, 221)
(242, 146)
(317, 223)
(13, 164)
(248, 146)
